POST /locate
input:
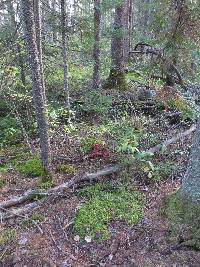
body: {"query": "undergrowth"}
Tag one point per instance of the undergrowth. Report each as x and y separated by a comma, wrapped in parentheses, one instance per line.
(7, 236)
(32, 168)
(105, 204)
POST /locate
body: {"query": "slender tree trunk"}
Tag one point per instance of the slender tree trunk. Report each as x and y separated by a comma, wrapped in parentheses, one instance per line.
(38, 31)
(64, 53)
(130, 26)
(126, 33)
(54, 32)
(34, 63)
(97, 39)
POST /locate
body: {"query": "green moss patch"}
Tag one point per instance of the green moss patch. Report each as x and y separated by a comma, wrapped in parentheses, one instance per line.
(104, 205)
(2, 182)
(32, 167)
(7, 236)
(63, 168)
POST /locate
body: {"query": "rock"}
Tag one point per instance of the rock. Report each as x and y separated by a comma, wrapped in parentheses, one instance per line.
(146, 94)
(23, 241)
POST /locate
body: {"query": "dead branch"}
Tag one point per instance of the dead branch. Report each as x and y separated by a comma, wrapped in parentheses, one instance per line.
(30, 194)
(168, 142)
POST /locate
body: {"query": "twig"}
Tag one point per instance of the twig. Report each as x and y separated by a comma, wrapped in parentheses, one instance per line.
(17, 213)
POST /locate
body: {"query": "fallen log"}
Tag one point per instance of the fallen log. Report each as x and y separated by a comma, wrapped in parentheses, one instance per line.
(28, 195)
(174, 139)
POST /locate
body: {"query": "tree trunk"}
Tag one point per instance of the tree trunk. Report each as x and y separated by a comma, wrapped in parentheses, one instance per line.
(64, 53)
(191, 181)
(54, 32)
(34, 63)
(117, 78)
(38, 31)
(97, 39)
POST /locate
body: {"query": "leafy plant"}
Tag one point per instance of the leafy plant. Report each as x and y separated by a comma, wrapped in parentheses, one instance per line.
(87, 143)
(29, 222)
(68, 169)
(46, 181)
(10, 133)
(2, 182)
(97, 103)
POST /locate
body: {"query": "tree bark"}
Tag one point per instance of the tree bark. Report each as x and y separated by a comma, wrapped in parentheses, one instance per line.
(34, 63)
(97, 39)
(64, 53)
(38, 31)
(191, 182)
(116, 78)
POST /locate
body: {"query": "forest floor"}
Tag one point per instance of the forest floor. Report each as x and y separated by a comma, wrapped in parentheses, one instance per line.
(52, 241)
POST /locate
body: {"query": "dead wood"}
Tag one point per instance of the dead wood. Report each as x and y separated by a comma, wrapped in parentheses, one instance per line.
(29, 195)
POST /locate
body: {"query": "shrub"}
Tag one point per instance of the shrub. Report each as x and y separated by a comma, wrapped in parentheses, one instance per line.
(9, 134)
(87, 143)
(104, 205)
(97, 103)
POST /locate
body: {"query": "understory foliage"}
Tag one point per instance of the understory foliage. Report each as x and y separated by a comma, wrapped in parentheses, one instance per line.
(106, 203)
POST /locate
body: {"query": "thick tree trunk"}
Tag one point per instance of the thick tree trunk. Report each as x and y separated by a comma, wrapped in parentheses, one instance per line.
(97, 38)
(191, 181)
(116, 78)
(64, 52)
(34, 63)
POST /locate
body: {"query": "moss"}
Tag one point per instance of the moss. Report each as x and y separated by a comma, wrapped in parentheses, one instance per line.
(2, 182)
(183, 212)
(68, 169)
(106, 204)
(7, 236)
(116, 80)
(32, 168)
(179, 210)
